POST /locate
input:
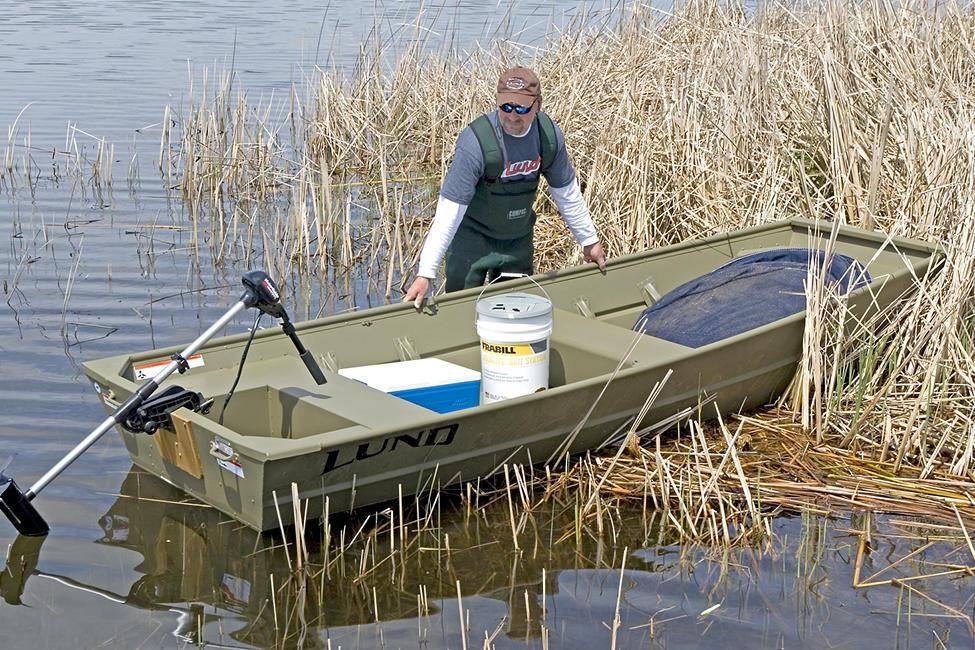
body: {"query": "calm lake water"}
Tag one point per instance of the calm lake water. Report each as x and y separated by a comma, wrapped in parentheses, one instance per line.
(84, 277)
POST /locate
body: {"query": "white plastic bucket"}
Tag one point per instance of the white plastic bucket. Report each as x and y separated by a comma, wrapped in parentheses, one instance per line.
(514, 329)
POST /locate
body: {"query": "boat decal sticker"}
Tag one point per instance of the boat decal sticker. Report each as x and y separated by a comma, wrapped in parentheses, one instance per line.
(236, 589)
(433, 437)
(151, 369)
(105, 395)
(226, 457)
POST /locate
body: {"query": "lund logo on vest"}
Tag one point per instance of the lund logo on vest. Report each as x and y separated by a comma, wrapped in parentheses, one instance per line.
(522, 168)
(435, 437)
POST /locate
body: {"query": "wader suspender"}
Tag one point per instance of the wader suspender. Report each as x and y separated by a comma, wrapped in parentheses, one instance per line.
(491, 148)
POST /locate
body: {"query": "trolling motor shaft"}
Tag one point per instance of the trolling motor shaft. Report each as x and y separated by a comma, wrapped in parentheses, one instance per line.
(259, 292)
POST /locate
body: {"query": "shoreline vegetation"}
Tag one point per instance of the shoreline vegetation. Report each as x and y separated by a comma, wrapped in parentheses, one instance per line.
(711, 118)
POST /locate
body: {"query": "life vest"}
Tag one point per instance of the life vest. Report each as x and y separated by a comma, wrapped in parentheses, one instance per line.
(503, 209)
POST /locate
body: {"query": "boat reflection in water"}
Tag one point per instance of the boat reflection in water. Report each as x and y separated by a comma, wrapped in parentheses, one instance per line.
(194, 555)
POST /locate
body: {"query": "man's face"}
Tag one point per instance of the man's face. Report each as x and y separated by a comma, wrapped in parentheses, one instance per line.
(515, 120)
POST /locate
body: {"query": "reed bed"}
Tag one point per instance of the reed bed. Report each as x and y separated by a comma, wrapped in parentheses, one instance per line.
(721, 483)
(708, 118)
(85, 159)
(679, 125)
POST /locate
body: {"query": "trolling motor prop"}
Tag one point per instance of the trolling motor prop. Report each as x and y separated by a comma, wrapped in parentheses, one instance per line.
(140, 414)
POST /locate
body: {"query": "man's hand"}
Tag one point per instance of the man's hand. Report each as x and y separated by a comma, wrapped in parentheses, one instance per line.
(418, 291)
(594, 253)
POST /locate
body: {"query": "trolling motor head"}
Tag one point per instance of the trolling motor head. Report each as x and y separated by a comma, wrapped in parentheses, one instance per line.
(261, 292)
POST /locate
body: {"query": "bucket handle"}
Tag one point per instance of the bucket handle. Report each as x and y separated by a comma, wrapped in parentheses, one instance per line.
(506, 274)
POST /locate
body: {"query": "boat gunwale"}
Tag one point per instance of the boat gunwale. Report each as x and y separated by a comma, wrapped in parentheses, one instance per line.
(383, 311)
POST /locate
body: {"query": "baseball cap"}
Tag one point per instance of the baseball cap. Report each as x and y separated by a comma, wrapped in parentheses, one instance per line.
(516, 84)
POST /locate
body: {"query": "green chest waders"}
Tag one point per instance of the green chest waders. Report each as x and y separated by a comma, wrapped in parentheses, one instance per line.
(498, 226)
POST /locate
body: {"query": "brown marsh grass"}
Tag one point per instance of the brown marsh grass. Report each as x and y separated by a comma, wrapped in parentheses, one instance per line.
(86, 159)
(680, 124)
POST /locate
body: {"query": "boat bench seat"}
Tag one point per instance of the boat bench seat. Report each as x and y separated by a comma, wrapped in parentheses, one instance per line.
(347, 398)
(282, 386)
(608, 340)
(362, 404)
(280, 391)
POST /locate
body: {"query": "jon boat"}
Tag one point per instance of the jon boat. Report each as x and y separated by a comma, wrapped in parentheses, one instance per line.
(352, 445)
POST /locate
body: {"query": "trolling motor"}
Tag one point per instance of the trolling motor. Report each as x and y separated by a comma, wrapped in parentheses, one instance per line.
(140, 414)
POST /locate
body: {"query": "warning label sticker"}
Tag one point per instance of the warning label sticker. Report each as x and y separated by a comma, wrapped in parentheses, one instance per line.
(226, 457)
(149, 370)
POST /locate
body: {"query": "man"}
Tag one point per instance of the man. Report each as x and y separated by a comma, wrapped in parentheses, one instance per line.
(484, 217)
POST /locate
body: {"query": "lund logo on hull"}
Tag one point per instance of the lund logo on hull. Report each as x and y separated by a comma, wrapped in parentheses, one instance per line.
(435, 437)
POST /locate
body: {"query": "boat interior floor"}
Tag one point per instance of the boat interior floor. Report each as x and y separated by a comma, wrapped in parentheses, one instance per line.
(276, 398)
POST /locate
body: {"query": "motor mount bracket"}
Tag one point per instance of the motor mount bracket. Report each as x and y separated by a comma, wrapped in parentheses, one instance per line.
(157, 411)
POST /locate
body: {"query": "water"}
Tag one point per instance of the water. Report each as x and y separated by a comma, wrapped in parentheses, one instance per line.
(86, 274)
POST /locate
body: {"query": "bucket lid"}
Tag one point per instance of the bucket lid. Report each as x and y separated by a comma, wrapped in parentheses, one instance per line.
(513, 306)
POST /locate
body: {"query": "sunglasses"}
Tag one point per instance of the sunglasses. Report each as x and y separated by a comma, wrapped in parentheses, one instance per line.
(517, 108)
